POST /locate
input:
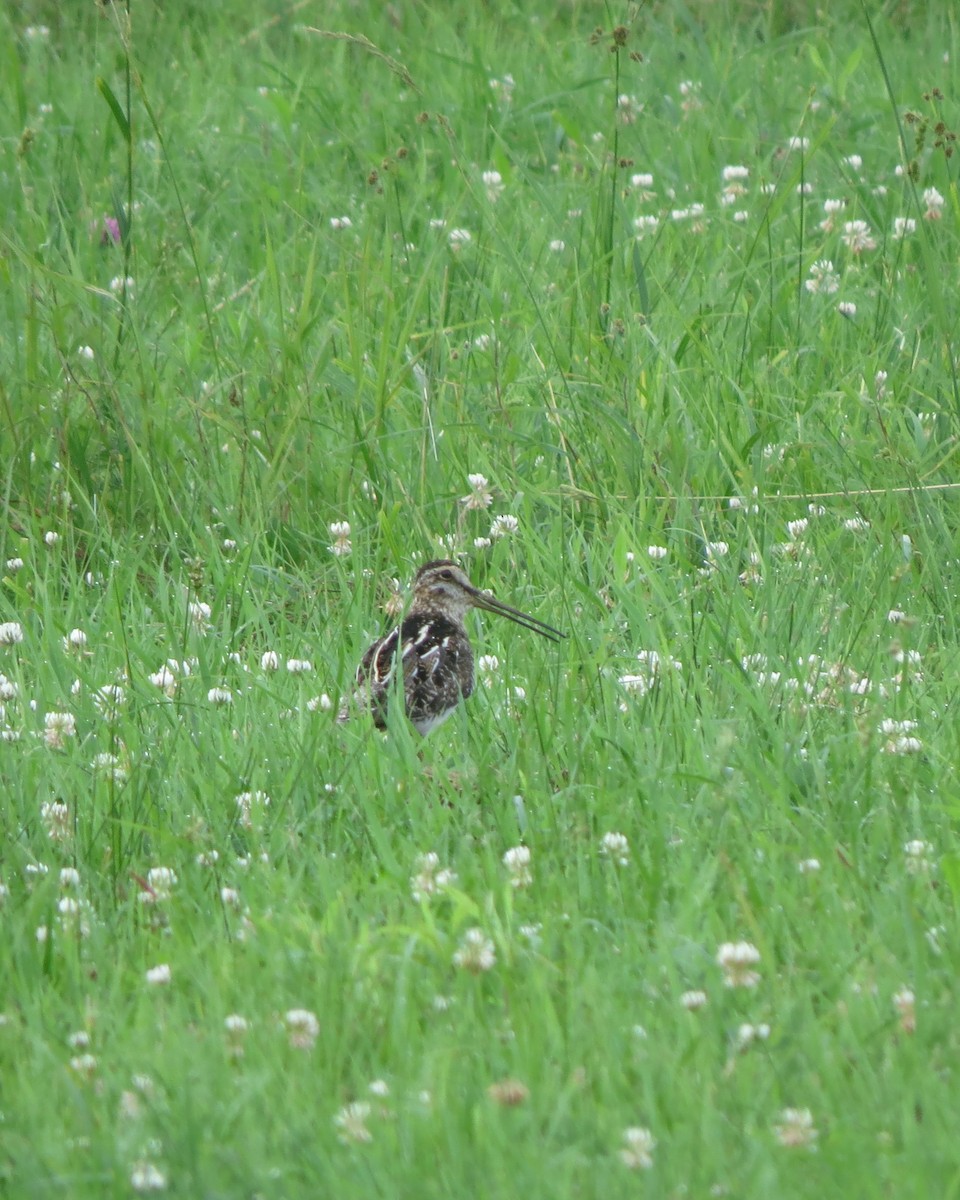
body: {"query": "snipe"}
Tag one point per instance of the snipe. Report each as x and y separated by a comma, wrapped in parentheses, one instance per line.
(432, 648)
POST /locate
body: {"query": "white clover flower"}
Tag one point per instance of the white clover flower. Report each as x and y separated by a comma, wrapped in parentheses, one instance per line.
(351, 1123)
(903, 745)
(160, 975)
(657, 552)
(652, 667)
(109, 765)
(638, 685)
(476, 952)
(84, 1065)
(904, 1001)
(737, 960)
(847, 308)
(110, 698)
(458, 238)
(69, 877)
(857, 237)
(654, 662)
(798, 143)
(56, 819)
(694, 1000)
(74, 916)
(302, 1028)
(299, 666)
(504, 525)
(831, 209)
(890, 725)
(249, 802)
(616, 847)
(321, 703)
(340, 532)
(690, 96)
(479, 496)
(517, 862)
(220, 696)
(795, 1129)
(11, 633)
(493, 185)
(488, 664)
(430, 877)
(57, 727)
(934, 202)
(638, 1148)
(199, 612)
(557, 246)
(823, 278)
(76, 639)
(748, 1034)
(919, 857)
(645, 223)
(14, 565)
(808, 866)
(340, 223)
(162, 881)
(629, 109)
(856, 525)
(903, 227)
(146, 1176)
(692, 212)
(165, 680)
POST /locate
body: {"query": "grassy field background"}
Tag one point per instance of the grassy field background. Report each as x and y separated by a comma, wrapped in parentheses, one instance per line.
(680, 285)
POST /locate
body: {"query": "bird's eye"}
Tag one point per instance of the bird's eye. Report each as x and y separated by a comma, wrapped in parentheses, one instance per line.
(446, 574)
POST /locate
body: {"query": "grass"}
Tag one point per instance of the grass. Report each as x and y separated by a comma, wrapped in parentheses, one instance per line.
(205, 368)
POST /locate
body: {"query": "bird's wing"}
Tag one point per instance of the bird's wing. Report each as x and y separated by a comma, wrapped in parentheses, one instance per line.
(436, 662)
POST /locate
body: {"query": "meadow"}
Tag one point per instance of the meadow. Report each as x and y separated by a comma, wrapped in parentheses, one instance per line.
(648, 317)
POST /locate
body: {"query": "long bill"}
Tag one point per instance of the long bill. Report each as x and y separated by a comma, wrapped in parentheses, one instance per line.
(492, 604)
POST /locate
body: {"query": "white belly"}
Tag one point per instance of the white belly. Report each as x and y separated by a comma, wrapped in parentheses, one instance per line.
(424, 724)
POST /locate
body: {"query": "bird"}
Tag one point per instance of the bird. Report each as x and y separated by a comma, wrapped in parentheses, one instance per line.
(432, 648)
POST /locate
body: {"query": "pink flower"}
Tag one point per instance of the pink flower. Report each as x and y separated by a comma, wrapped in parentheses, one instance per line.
(109, 231)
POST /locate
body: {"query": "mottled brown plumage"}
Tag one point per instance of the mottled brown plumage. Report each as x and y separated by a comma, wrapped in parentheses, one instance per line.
(433, 648)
